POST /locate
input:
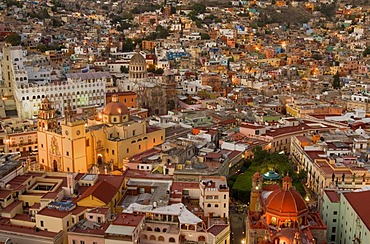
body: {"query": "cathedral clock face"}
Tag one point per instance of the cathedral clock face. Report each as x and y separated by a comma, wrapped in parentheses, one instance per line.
(78, 132)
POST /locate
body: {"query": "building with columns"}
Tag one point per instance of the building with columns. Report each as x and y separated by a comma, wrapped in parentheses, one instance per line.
(105, 141)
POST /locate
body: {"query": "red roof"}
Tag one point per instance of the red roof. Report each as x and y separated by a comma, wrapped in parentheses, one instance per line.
(102, 190)
(10, 207)
(216, 229)
(179, 186)
(4, 193)
(251, 126)
(128, 219)
(332, 195)
(359, 202)
(23, 230)
(53, 213)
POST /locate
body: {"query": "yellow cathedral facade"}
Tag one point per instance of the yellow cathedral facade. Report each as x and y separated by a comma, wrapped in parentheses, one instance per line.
(77, 146)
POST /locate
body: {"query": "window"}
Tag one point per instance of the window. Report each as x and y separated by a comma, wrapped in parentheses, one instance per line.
(216, 205)
(87, 142)
(67, 153)
(334, 220)
(333, 229)
(112, 152)
(82, 242)
(335, 212)
(225, 196)
(208, 197)
(74, 242)
(208, 205)
(133, 132)
(42, 223)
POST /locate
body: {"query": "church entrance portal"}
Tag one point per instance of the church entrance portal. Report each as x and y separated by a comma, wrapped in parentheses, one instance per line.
(55, 166)
(100, 159)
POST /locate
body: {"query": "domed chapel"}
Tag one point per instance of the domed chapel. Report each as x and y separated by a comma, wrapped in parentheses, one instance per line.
(279, 215)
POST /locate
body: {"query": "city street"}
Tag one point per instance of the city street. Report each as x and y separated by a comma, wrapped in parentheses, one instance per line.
(237, 221)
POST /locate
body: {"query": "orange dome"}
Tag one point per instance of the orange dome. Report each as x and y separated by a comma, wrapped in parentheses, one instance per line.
(115, 107)
(285, 202)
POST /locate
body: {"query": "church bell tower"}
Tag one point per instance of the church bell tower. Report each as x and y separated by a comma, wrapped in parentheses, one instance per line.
(46, 116)
(255, 204)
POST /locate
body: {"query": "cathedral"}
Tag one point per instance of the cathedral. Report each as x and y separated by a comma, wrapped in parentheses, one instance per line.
(158, 95)
(76, 145)
(279, 215)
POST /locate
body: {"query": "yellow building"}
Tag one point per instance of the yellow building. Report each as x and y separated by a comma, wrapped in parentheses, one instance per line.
(75, 146)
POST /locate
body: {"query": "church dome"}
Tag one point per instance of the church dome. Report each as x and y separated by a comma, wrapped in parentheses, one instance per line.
(137, 58)
(285, 201)
(137, 68)
(115, 108)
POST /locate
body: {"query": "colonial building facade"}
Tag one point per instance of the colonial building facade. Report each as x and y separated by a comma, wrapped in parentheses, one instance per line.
(77, 146)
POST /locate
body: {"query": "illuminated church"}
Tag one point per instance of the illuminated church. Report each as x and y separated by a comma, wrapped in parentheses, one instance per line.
(77, 146)
(279, 215)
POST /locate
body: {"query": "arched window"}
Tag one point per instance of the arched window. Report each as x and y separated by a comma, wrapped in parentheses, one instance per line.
(149, 229)
(152, 238)
(201, 238)
(208, 205)
(172, 239)
(145, 237)
(164, 230)
(161, 238)
(157, 229)
(191, 227)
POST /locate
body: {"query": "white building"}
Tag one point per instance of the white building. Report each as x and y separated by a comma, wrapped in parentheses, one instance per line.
(347, 216)
(330, 214)
(80, 89)
(27, 82)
